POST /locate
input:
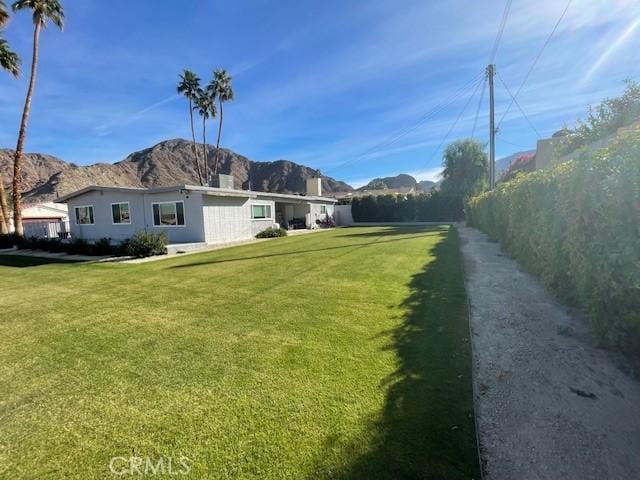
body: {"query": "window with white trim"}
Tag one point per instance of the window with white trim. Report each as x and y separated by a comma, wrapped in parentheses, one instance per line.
(168, 214)
(259, 212)
(120, 213)
(323, 209)
(84, 215)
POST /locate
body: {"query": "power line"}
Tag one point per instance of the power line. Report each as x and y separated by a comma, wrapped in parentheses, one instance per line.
(516, 144)
(513, 99)
(503, 23)
(535, 61)
(407, 130)
(475, 120)
(444, 139)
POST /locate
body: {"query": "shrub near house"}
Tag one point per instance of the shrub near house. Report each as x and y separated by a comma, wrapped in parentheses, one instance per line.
(142, 244)
(578, 227)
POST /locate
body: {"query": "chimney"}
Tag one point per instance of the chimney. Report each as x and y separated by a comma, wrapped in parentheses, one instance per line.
(314, 186)
(222, 181)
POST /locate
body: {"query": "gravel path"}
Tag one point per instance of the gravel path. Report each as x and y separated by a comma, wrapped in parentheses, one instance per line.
(550, 404)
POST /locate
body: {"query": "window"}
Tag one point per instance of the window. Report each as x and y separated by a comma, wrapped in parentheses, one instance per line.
(260, 211)
(323, 209)
(84, 215)
(168, 214)
(120, 213)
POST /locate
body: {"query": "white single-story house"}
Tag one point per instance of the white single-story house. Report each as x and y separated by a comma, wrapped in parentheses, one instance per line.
(191, 214)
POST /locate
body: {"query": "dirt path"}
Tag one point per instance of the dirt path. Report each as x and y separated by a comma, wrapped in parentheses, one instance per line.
(550, 404)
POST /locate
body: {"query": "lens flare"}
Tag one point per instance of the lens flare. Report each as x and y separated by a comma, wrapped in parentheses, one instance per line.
(612, 48)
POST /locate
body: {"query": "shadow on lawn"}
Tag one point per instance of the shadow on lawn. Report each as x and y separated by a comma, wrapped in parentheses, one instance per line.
(394, 230)
(426, 428)
(377, 241)
(23, 261)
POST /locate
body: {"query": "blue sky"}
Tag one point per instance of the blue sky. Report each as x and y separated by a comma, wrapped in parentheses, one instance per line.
(319, 83)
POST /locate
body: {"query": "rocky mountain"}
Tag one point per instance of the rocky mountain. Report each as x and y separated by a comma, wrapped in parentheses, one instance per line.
(399, 182)
(167, 163)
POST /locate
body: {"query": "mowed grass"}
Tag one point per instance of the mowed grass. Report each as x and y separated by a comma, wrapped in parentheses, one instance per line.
(341, 354)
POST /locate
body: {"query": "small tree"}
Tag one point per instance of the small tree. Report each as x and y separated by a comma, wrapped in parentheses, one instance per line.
(465, 172)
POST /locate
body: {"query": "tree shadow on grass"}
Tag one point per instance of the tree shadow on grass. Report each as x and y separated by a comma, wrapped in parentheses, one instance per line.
(393, 230)
(377, 240)
(426, 428)
(23, 261)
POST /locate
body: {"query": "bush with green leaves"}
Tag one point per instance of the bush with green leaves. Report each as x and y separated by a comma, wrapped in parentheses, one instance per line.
(577, 226)
(145, 244)
(604, 119)
(272, 232)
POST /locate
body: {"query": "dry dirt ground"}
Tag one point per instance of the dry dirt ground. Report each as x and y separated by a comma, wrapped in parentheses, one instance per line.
(550, 404)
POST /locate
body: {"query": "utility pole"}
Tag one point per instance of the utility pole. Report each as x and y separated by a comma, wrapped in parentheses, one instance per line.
(491, 71)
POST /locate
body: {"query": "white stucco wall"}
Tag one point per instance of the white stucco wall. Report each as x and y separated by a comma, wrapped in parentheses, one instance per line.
(315, 211)
(226, 219)
(141, 213)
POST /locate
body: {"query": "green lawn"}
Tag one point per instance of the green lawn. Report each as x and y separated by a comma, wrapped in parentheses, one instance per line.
(341, 354)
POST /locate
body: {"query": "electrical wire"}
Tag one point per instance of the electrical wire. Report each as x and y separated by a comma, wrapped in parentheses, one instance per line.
(535, 61)
(475, 120)
(513, 99)
(444, 139)
(503, 23)
(409, 129)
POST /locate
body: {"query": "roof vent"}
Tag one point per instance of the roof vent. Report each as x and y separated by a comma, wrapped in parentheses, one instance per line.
(221, 181)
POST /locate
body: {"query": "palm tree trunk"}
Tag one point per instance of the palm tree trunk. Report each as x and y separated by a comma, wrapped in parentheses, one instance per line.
(215, 169)
(195, 148)
(17, 160)
(4, 209)
(204, 150)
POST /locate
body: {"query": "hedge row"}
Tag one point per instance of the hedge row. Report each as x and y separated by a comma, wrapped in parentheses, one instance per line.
(142, 244)
(577, 226)
(431, 207)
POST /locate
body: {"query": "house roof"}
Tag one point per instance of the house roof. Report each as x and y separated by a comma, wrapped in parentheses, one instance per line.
(44, 210)
(213, 191)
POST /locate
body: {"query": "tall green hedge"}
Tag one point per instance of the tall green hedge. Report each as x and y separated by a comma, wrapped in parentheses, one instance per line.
(428, 207)
(577, 226)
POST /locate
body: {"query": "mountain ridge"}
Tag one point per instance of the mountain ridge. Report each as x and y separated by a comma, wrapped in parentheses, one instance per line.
(167, 163)
(398, 182)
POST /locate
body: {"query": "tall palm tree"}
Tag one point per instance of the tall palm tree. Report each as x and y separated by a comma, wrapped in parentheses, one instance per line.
(220, 87)
(42, 11)
(10, 62)
(189, 86)
(206, 106)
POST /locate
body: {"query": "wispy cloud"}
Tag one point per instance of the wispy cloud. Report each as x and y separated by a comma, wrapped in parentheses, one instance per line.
(107, 128)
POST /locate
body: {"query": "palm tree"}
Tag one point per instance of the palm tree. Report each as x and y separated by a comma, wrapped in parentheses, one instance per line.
(10, 62)
(206, 106)
(220, 87)
(43, 11)
(189, 86)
